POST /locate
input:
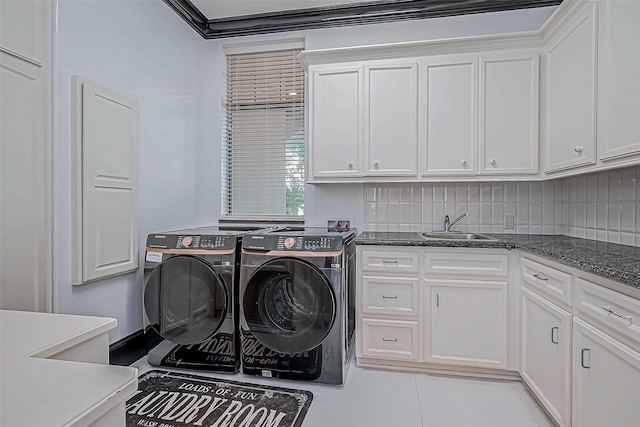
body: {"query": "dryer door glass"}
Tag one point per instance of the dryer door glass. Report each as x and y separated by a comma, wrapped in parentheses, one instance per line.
(289, 305)
(185, 300)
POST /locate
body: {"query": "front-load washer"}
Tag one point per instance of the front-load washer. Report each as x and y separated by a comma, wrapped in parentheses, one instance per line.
(297, 306)
(190, 299)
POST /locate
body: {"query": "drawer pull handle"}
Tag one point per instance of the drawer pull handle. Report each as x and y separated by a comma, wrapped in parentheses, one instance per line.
(582, 358)
(390, 339)
(608, 309)
(552, 335)
(389, 297)
(437, 300)
(384, 261)
(537, 276)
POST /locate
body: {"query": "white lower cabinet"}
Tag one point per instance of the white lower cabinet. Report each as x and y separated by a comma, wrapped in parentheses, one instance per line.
(468, 323)
(546, 354)
(390, 339)
(606, 379)
(432, 306)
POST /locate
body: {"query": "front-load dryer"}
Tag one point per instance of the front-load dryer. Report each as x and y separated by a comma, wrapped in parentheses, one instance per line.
(190, 299)
(297, 306)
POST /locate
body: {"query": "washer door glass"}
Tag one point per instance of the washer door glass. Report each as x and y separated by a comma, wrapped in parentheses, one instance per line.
(185, 300)
(289, 305)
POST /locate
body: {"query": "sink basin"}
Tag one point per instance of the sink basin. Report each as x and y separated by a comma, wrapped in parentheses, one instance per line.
(443, 235)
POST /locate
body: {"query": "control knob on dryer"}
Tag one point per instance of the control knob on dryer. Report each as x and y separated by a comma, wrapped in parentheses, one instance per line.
(186, 241)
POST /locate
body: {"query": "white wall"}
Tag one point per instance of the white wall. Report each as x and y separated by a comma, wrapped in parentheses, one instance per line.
(336, 201)
(145, 51)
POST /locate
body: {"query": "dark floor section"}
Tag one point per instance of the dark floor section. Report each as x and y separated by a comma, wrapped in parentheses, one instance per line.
(127, 350)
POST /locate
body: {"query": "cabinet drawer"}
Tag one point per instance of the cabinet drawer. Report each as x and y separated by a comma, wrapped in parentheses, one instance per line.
(555, 284)
(390, 295)
(475, 265)
(388, 339)
(609, 308)
(390, 261)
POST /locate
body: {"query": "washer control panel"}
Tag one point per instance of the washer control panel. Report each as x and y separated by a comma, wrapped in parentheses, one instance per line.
(293, 243)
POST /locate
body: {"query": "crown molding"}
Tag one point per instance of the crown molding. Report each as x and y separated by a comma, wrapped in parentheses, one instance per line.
(372, 12)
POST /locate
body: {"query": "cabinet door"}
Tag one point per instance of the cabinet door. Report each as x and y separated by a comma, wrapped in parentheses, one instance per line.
(509, 83)
(546, 354)
(606, 379)
(335, 135)
(391, 126)
(24, 27)
(25, 265)
(449, 116)
(570, 94)
(468, 323)
(618, 82)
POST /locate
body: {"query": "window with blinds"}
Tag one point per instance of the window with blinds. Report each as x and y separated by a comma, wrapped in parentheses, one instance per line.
(263, 133)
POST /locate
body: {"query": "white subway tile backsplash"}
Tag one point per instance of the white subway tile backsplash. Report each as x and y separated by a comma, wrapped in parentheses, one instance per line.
(614, 216)
(615, 182)
(497, 192)
(522, 214)
(394, 194)
(485, 214)
(523, 192)
(535, 214)
(573, 189)
(628, 184)
(549, 191)
(548, 214)
(485, 192)
(603, 206)
(462, 192)
(405, 194)
(591, 215)
(603, 186)
(592, 188)
(474, 192)
(510, 192)
(627, 216)
(602, 209)
(535, 192)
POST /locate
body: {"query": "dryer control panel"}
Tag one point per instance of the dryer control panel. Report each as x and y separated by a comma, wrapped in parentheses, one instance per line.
(173, 241)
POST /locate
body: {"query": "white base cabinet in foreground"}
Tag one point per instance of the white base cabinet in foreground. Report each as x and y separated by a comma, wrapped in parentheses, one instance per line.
(546, 354)
(580, 353)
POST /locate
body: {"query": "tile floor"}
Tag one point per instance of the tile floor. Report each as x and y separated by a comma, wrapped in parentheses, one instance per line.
(379, 398)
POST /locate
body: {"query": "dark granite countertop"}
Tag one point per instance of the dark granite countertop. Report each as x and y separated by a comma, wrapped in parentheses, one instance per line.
(609, 260)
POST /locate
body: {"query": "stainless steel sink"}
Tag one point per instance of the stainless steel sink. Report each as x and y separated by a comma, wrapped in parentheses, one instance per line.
(451, 235)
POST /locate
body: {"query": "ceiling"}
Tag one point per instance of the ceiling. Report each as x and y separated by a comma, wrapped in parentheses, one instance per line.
(233, 18)
(216, 9)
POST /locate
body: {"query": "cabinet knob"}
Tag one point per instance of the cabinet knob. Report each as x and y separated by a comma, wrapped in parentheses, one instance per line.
(578, 149)
(493, 161)
(350, 165)
(376, 164)
(464, 163)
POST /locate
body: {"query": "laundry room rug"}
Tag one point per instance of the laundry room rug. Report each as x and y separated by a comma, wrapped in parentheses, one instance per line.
(170, 399)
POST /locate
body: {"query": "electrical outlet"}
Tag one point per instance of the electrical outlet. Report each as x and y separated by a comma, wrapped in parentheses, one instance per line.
(338, 225)
(509, 222)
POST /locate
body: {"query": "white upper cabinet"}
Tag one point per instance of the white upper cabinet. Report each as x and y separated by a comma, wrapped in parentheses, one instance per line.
(618, 81)
(391, 113)
(335, 124)
(569, 93)
(24, 29)
(449, 116)
(509, 112)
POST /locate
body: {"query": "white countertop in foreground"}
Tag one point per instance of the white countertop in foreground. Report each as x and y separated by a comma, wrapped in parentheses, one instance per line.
(38, 391)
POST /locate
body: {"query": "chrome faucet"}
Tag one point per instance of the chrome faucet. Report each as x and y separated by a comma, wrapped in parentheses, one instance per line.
(448, 224)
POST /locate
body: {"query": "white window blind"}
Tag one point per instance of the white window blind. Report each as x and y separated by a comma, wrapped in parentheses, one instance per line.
(263, 134)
